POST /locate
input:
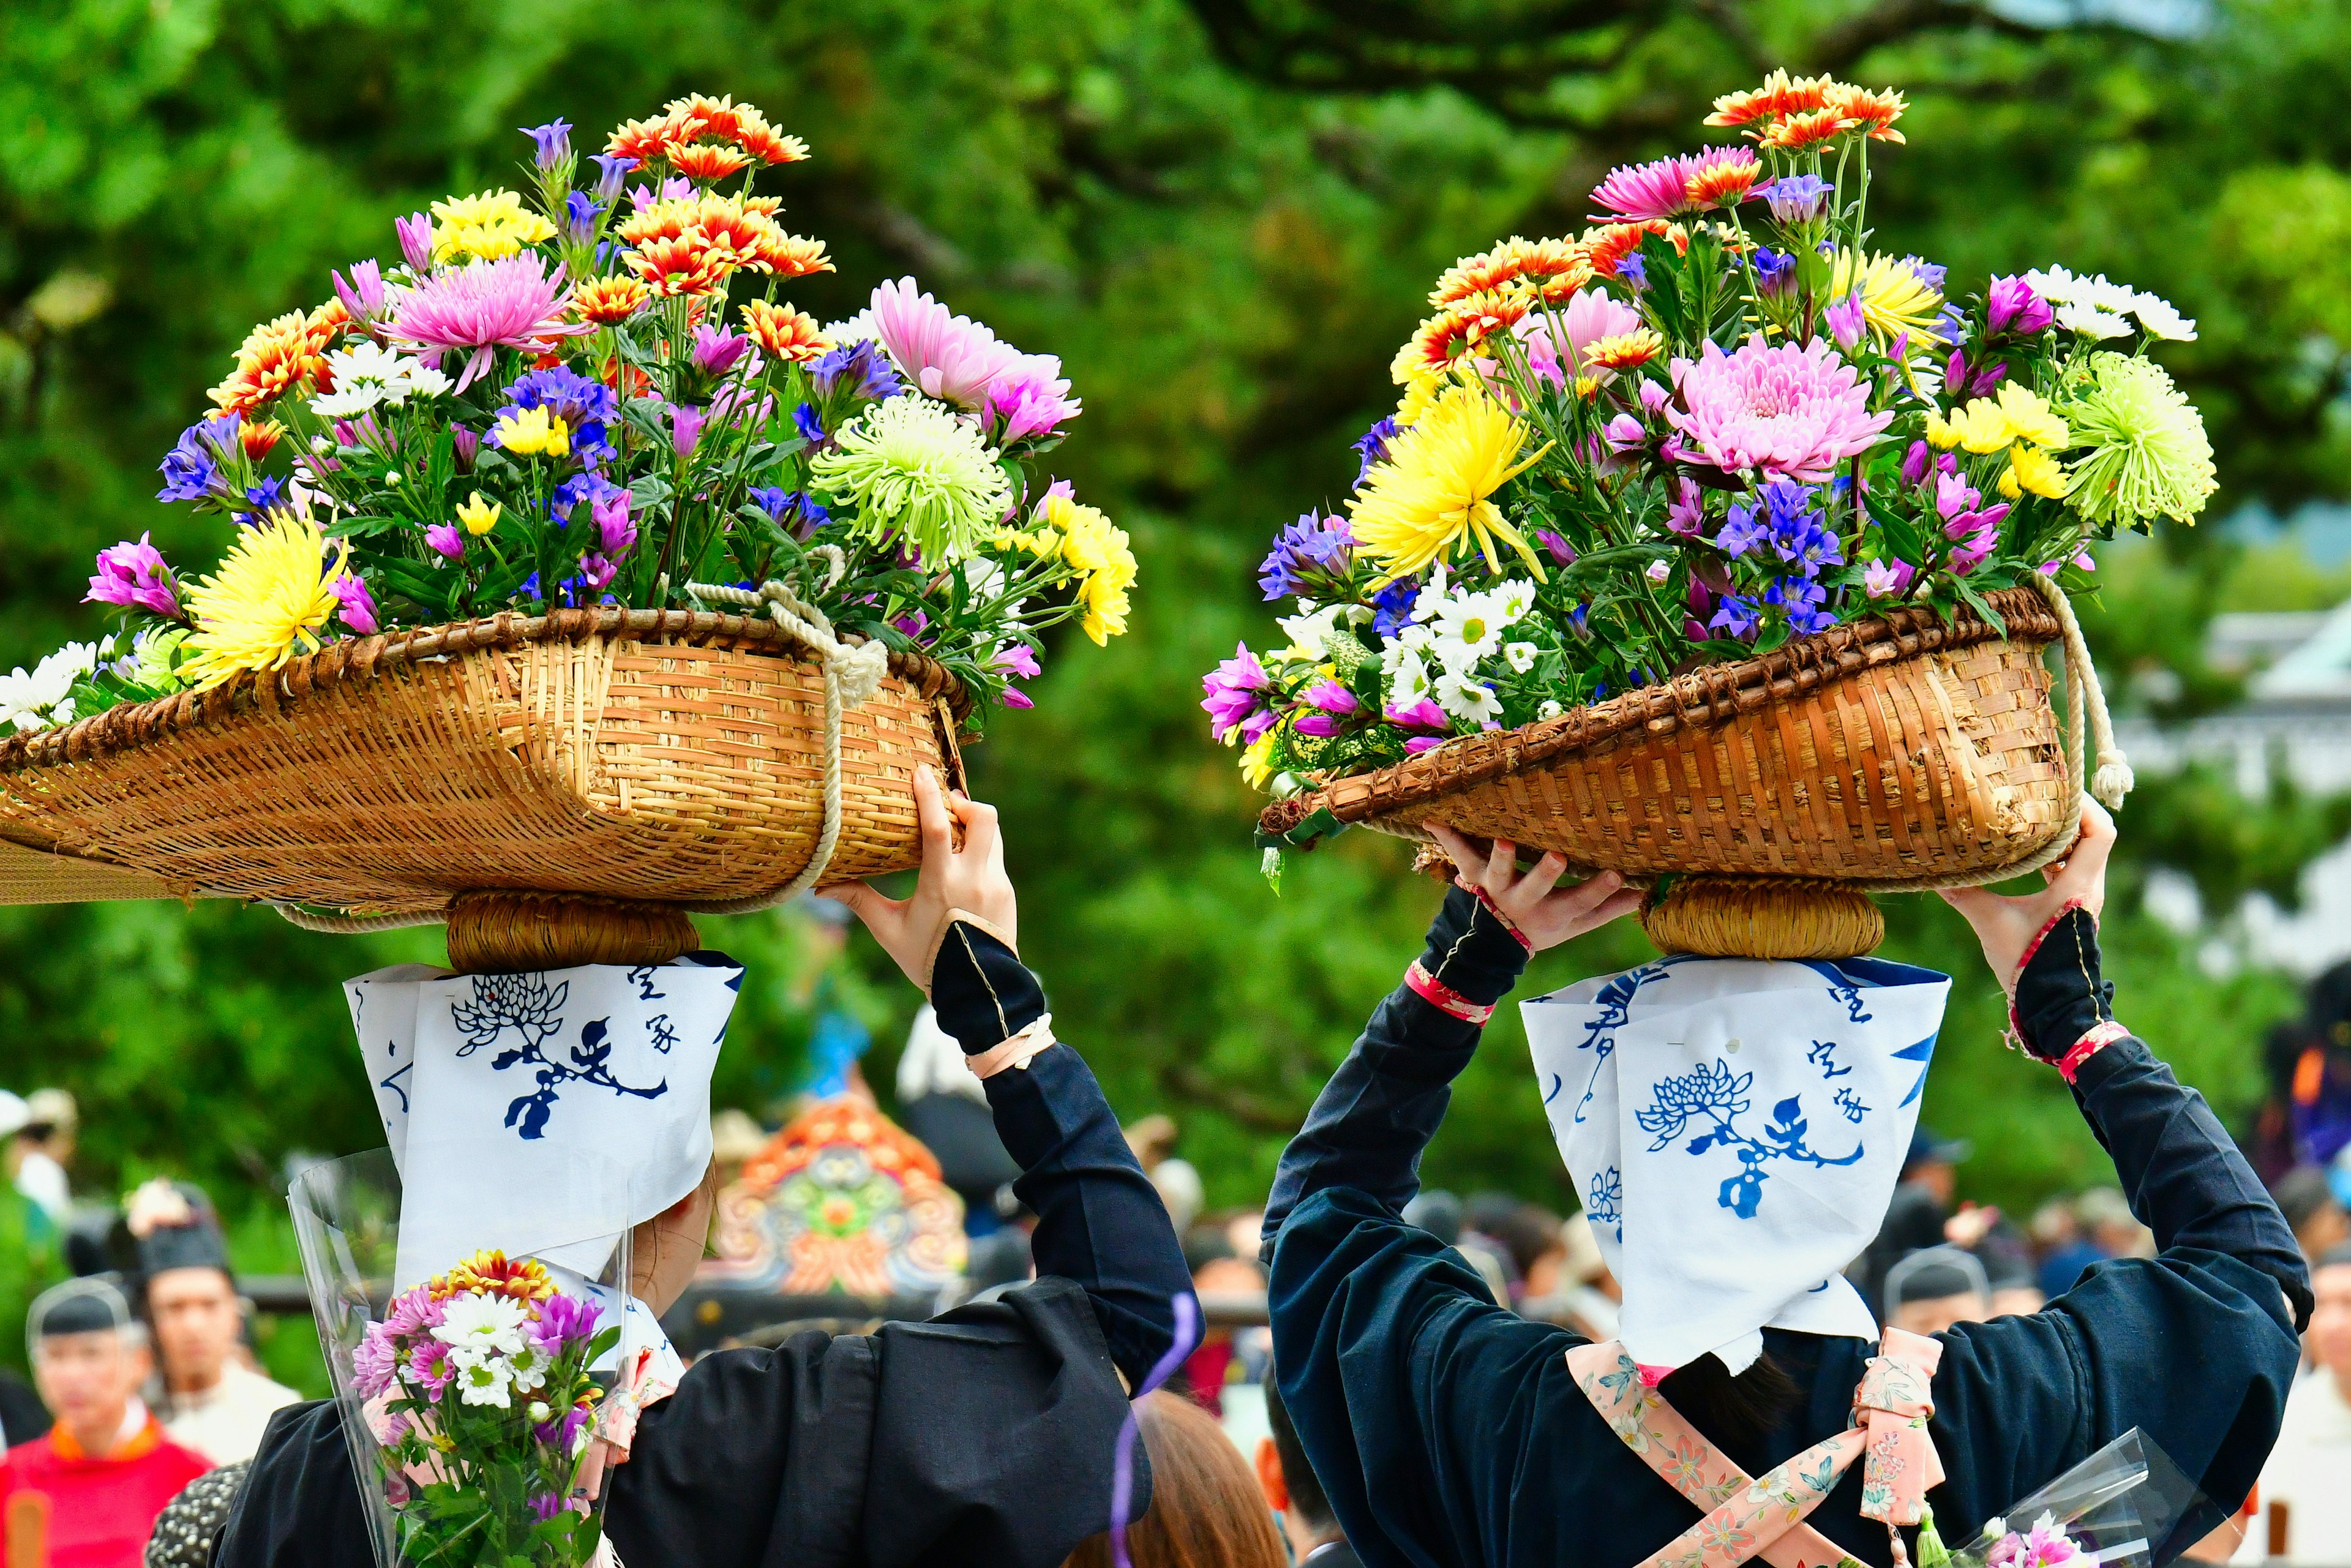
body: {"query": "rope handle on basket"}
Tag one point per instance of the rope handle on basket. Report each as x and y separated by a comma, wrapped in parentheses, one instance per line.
(853, 673)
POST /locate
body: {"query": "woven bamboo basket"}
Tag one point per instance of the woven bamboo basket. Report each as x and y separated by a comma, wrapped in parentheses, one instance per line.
(1775, 793)
(642, 758)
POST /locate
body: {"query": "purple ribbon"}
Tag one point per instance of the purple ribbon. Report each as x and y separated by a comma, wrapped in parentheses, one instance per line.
(1121, 1486)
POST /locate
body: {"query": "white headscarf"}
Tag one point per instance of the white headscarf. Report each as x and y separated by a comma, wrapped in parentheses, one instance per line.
(1736, 1128)
(506, 1076)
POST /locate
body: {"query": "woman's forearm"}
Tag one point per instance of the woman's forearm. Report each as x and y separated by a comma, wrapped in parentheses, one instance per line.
(1386, 1100)
(2182, 1173)
(1100, 1222)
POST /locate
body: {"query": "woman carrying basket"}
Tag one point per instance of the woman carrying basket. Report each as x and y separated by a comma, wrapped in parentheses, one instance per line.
(1449, 1431)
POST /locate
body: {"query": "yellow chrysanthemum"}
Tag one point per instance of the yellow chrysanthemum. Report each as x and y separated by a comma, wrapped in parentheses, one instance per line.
(534, 432)
(2031, 469)
(489, 225)
(1624, 350)
(1099, 550)
(1257, 761)
(1420, 394)
(1987, 424)
(1434, 491)
(1894, 300)
(479, 515)
(272, 594)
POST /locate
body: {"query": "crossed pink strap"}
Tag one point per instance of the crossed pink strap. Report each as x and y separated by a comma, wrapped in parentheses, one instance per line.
(1746, 1518)
(616, 1423)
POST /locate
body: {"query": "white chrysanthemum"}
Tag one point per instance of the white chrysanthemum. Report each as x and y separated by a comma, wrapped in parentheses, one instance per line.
(858, 329)
(528, 1366)
(1468, 629)
(484, 1379)
(367, 373)
(2103, 295)
(1519, 655)
(482, 1324)
(40, 698)
(2085, 321)
(1410, 681)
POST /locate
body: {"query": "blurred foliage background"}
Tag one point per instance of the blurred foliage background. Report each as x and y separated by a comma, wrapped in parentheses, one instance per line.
(1223, 215)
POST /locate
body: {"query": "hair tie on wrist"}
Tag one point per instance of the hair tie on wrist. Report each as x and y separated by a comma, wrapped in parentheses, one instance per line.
(2099, 1037)
(1444, 997)
(1015, 1052)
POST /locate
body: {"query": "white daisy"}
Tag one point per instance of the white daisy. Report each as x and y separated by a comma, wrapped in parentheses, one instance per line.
(2056, 285)
(2162, 320)
(2096, 291)
(482, 1324)
(1549, 709)
(1512, 600)
(2089, 322)
(1469, 699)
(1520, 655)
(1468, 629)
(1309, 632)
(1410, 681)
(484, 1379)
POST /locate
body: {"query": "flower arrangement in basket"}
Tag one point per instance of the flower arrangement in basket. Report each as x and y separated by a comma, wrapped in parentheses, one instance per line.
(568, 397)
(477, 1390)
(1717, 424)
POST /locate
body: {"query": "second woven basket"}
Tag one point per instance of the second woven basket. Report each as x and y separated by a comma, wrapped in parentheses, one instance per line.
(1771, 795)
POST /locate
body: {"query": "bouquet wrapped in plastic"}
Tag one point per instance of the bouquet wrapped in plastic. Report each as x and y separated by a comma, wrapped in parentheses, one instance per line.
(2126, 1506)
(481, 1403)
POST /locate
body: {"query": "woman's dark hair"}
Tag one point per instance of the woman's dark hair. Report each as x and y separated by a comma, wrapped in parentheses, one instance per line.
(1206, 1509)
(1307, 1499)
(1741, 1409)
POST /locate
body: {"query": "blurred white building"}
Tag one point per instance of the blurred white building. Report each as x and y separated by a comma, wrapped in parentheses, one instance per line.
(2297, 715)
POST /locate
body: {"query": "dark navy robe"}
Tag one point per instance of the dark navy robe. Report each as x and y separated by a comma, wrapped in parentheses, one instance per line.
(1448, 1433)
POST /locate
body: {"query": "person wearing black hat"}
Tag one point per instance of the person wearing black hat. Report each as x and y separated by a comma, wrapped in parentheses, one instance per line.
(213, 1402)
(1919, 1216)
(106, 1468)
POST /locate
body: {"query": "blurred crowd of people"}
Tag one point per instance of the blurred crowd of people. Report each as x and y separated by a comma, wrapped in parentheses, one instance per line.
(143, 1373)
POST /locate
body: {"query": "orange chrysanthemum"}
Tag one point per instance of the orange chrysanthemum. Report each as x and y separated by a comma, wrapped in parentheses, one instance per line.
(793, 257)
(754, 135)
(1807, 129)
(258, 438)
(276, 357)
(609, 302)
(1514, 259)
(1874, 111)
(1624, 350)
(1779, 96)
(704, 161)
(681, 264)
(783, 332)
(766, 206)
(651, 140)
(496, 1274)
(326, 322)
(1719, 182)
(1605, 247)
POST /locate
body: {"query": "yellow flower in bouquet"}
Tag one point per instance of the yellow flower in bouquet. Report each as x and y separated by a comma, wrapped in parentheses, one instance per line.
(272, 596)
(1095, 548)
(1894, 300)
(2031, 469)
(490, 225)
(1435, 489)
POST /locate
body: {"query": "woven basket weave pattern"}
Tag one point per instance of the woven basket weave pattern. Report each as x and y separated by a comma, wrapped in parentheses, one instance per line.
(600, 763)
(1887, 752)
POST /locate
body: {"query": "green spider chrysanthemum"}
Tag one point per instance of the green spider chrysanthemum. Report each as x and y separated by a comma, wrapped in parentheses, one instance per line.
(2148, 456)
(909, 465)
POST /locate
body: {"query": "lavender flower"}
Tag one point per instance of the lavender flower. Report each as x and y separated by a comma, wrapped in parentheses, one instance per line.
(795, 511)
(1686, 513)
(1634, 271)
(1371, 446)
(554, 141)
(684, 428)
(1798, 198)
(1742, 530)
(464, 444)
(1735, 617)
(1915, 462)
(1926, 272)
(811, 425)
(861, 367)
(1391, 606)
(1310, 547)
(615, 531)
(579, 218)
(610, 172)
(1845, 320)
(586, 407)
(1886, 579)
(1803, 599)
(191, 469)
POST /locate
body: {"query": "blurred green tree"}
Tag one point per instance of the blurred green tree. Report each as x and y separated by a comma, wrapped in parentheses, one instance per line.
(1222, 215)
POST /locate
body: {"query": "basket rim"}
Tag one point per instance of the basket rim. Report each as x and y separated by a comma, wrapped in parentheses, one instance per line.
(1710, 694)
(359, 659)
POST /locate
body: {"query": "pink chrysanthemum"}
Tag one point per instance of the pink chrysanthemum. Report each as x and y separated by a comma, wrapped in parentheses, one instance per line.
(1781, 410)
(1636, 191)
(1591, 317)
(950, 357)
(510, 303)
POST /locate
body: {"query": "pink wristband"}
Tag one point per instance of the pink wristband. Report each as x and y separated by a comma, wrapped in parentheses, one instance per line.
(1509, 925)
(2088, 1046)
(1015, 1054)
(2016, 1024)
(1444, 997)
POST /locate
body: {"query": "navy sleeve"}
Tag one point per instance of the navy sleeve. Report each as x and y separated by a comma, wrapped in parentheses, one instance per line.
(2196, 1346)
(1380, 1109)
(1417, 1399)
(1100, 1222)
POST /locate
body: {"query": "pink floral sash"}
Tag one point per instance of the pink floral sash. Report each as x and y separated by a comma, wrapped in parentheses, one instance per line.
(1746, 1518)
